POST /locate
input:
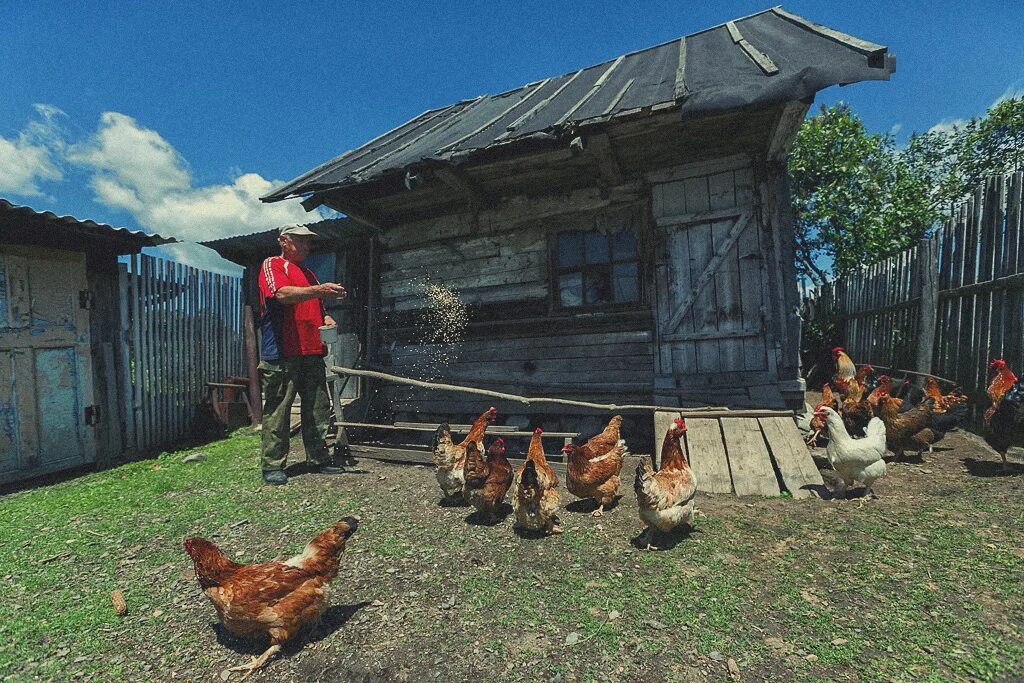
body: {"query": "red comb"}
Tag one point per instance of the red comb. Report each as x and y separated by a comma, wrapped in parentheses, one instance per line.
(538, 430)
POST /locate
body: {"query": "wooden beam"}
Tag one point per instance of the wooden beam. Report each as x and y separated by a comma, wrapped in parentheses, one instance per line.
(512, 127)
(697, 336)
(459, 181)
(702, 216)
(354, 210)
(699, 168)
(842, 38)
(926, 286)
(487, 124)
(709, 271)
(681, 91)
(600, 147)
(758, 57)
(590, 93)
(784, 135)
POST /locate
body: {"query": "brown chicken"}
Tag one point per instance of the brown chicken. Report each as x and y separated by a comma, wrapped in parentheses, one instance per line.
(918, 428)
(535, 498)
(593, 468)
(943, 402)
(487, 481)
(828, 400)
(450, 458)
(856, 413)
(666, 497)
(884, 387)
(277, 599)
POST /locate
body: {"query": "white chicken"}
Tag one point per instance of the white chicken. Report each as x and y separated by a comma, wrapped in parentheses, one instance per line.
(855, 460)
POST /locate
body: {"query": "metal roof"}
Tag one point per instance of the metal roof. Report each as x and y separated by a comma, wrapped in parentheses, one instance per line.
(256, 246)
(766, 58)
(67, 232)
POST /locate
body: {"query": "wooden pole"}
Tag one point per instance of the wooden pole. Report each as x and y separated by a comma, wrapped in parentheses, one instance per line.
(685, 412)
(252, 361)
(927, 287)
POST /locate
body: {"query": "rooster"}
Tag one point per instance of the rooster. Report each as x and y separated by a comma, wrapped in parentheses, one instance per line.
(593, 469)
(855, 460)
(846, 371)
(277, 599)
(918, 428)
(666, 497)
(1004, 419)
(450, 458)
(943, 402)
(535, 499)
(487, 481)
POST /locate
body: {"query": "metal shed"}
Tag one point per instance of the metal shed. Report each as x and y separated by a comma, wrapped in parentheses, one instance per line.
(621, 231)
(60, 320)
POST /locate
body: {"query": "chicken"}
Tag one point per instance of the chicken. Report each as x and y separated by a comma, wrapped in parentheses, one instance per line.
(855, 460)
(918, 428)
(884, 386)
(487, 481)
(943, 402)
(277, 599)
(817, 421)
(535, 499)
(846, 371)
(450, 458)
(856, 411)
(593, 469)
(1001, 382)
(666, 497)
(1004, 419)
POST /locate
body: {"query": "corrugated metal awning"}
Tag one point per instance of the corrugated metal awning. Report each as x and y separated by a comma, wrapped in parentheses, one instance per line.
(767, 58)
(243, 249)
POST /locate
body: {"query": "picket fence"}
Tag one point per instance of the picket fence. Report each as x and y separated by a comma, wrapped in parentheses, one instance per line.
(181, 328)
(947, 305)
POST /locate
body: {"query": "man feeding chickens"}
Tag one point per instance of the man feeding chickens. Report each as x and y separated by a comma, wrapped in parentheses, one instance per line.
(292, 355)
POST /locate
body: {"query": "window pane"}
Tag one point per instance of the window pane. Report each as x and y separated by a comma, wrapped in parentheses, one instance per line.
(570, 290)
(597, 286)
(627, 282)
(597, 247)
(570, 249)
(624, 245)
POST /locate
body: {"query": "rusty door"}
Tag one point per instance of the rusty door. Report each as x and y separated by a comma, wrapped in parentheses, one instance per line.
(45, 363)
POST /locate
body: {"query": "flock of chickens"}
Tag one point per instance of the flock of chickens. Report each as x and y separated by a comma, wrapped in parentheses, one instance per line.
(665, 498)
(865, 416)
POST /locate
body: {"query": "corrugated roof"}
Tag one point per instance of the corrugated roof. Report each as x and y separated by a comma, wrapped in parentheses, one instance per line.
(26, 220)
(769, 57)
(243, 249)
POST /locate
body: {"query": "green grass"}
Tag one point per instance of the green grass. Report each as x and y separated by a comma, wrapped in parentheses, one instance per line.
(855, 594)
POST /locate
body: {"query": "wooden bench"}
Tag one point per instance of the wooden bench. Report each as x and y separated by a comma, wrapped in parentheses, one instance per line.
(498, 430)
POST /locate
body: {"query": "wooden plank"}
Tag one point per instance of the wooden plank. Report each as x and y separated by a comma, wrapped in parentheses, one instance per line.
(791, 456)
(1014, 331)
(511, 128)
(707, 454)
(699, 168)
(598, 84)
(708, 272)
(758, 57)
(126, 411)
(705, 315)
(749, 462)
(680, 91)
(862, 46)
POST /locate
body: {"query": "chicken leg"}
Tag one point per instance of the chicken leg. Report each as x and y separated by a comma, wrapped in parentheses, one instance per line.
(650, 539)
(257, 662)
(599, 512)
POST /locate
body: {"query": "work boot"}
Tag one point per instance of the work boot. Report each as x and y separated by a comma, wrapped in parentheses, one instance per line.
(330, 468)
(274, 477)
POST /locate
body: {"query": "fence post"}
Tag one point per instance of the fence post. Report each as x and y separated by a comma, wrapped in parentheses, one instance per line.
(927, 286)
(251, 362)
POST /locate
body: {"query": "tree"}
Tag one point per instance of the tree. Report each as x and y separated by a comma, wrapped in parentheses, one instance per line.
(856, 199)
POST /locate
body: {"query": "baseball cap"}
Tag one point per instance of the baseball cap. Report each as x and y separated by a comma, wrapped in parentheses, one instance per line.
(297, 230)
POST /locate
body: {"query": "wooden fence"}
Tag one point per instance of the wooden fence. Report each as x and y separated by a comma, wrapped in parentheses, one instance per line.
(181, 328)
(947, 305)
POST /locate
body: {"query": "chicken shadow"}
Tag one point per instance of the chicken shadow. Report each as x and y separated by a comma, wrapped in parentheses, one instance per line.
(588, 505)
(665, 540)
(475, 518)
(992, 468)
(454, 501)
(332, 620)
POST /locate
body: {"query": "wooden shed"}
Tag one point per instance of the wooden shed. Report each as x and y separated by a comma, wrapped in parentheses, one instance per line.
(620, 233)
(61, 319)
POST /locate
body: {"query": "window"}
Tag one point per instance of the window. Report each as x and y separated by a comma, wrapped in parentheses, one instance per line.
(597, 267)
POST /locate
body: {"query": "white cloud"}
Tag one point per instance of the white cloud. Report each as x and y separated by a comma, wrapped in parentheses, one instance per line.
(28, 158)
(896, 128)
(135, 169)
(1014, 90)
(947, 125)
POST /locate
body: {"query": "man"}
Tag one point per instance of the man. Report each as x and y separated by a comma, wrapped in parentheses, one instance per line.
(292, 355)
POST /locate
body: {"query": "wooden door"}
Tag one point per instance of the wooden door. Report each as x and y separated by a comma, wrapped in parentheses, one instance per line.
(712, 286)
(45, 362)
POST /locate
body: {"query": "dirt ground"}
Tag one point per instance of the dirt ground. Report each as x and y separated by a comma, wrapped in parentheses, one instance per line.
(437, 596)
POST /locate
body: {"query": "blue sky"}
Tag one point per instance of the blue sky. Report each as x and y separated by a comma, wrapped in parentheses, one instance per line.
(175, 117)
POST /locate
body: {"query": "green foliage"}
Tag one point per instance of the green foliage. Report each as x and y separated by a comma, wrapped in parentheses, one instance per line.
(856, 200)
(859, 198)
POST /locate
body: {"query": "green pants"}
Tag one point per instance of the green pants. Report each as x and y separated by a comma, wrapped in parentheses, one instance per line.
(282, 379)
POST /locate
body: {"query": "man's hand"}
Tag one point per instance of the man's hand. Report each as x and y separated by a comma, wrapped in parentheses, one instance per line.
(330, 290)
(329, 321)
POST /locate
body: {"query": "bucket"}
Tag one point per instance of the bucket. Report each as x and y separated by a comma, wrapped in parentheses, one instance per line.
(328, 334)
